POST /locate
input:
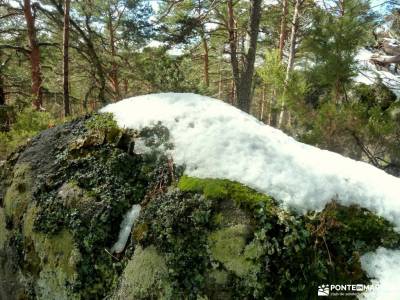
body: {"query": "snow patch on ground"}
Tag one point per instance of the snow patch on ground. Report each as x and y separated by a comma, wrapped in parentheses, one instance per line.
(126, 227)
(369, 74)
(384, 265)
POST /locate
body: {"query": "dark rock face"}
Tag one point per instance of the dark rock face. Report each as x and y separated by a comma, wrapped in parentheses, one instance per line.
(64, 194)
(63, 198)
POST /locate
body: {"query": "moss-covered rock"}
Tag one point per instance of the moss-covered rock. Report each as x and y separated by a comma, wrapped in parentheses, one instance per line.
(18, 194)
(228, 245)
(3, 230)
(63, 197)
(51, 258)
(145, 276)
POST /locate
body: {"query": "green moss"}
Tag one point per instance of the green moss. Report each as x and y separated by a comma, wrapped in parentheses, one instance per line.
(101, 128)
(254, 250)
(219, 189)
(178, 224)
(57, 257)
(3, 231)
(140, 231)
(227, 246)
(74, 197)
(220, 277)
(19, 194)
(145, 276)
(102, 121)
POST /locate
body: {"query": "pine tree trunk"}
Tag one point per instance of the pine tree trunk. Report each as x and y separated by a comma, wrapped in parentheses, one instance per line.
(36, 76)
(262, 103)
(114, 70)
(233, 43)
(66, 58)
(206, 61)
(244, 78)
(2, 92)
(283, 33)
(220, 81)
(91, 51)
(232, 96)
(292, 54)
(4, 120)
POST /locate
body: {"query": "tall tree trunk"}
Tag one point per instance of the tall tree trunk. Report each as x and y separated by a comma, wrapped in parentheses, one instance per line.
(283, 33)
(2, 93)
(91, 51)
(36, 76)
(233, 43)
(293, 37)
(66, 58)
(206, 60)
(220, 82)
(262, 103)
(114, 67)
(244, 78)
(232, 94)
(292, 54)
(126, 86)
(4, 120)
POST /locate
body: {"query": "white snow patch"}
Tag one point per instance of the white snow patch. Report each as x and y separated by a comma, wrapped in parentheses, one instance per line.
(384, 266)
(126, 227)
(392, 42)
(216, 140)
(369, 74)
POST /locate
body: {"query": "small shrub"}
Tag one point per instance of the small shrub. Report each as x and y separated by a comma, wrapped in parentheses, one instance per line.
(28, 123)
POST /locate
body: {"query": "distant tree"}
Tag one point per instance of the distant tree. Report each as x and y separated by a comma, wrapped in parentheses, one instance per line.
(283, 28)
(66, 58)
(244, 77)
(34, 54)
(292, 53)
(336, 34)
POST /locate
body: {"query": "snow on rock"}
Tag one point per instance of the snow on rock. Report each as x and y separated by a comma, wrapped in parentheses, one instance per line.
(369, 74)
(216, 140)
(384, 265)
(126, 227)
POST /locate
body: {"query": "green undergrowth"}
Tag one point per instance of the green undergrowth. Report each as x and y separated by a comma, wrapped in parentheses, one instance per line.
(28, 124)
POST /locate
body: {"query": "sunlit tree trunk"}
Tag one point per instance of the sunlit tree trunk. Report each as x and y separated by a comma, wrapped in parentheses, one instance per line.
(206, 60)
(283, 33)
(292, 54)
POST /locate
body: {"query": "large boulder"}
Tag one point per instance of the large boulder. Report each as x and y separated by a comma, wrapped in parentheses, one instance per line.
(64, 196)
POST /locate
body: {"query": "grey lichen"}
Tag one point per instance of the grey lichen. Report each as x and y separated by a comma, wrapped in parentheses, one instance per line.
(58, 257)
(3, 231)
(145, 276)
(227, 246)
